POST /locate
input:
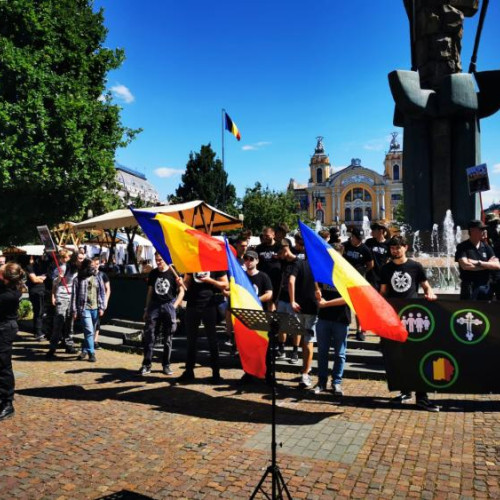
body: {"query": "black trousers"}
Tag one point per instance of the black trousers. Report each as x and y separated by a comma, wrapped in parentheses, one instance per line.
(38, 302)
(8, 330)
(194, 317)
(164, 316)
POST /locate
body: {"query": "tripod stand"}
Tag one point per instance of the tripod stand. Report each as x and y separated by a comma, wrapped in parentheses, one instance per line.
(273, 322)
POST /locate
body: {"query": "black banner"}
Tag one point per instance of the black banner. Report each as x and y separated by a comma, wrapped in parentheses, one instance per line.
(453, 346)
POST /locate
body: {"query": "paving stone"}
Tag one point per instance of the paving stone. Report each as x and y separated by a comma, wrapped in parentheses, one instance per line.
(88, 431)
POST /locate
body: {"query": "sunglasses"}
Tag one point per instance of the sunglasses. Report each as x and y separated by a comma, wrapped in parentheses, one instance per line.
(246, 257)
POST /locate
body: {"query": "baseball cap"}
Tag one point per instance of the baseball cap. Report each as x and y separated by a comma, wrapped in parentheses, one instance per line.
(378, 225)
(252, 254)
(356, 233)
(476, 224)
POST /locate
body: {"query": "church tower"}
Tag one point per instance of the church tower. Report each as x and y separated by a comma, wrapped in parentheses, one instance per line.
(320, 164)
(393, 162)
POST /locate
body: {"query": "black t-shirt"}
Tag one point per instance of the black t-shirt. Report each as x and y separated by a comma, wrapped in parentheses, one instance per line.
(484, 253)
(380, 253)
(261, 283)
(9, 303)
(340, 314)
(403, 280)
(358, 256)
(38, 270)
(200, 294)
(104, 276)
(304, 288)
(287, 268)
(164, 286)
(269, 263)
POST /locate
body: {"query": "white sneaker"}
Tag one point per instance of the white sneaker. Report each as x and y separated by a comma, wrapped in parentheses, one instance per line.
(305, 380)
(337, 390)
(319, 389)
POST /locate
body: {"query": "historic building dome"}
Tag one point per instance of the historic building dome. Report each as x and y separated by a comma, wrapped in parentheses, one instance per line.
(352, 193)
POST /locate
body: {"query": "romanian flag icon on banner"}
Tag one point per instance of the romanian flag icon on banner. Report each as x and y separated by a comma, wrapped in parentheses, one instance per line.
(188, 249)
(252, 344)
(231, 126)
(373, 311)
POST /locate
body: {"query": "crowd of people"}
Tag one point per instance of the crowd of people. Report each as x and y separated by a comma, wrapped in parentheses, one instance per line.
(76, 292)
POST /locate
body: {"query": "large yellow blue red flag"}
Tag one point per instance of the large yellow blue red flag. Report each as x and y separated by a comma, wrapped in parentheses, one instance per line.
(188, 249)
(251, 344)
(373, 311)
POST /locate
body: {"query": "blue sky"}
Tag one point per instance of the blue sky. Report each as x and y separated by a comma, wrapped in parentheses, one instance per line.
(285, 71)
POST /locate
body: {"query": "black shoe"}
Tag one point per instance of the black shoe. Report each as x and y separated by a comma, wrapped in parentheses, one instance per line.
(39, 338)
(6, 410)
(294, 358)
(145, 369)
(216, 379)
(167, 370)
(51, 354)
(401, 397)
(280, 354)
(70, 350)
(186, 378)
(360, 336)
(97, 346)
(92, 358)
(82, 356)
(428, 405)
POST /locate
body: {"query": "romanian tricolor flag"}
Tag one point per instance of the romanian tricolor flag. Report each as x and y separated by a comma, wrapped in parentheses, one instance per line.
(373, 311)
(188, 249)
(153, 231)
(231, 126)
(252, 344)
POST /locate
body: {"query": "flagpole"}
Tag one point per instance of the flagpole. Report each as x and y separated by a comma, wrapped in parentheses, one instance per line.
(223, 165)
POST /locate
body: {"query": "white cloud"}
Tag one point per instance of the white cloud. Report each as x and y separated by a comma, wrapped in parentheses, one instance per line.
(255, 146)
(496, 168)
(491, 196)
(166, 172)
(123, 93)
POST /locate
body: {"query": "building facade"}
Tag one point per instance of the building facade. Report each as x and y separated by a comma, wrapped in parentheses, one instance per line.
(352, 193)
(134, 185)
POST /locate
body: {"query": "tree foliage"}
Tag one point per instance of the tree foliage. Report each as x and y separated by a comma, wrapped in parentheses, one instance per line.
(205, 179)
(58, 127)
(399, 212)
(263, 207)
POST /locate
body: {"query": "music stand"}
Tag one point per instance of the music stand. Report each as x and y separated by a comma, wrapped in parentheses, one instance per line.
(274, 323)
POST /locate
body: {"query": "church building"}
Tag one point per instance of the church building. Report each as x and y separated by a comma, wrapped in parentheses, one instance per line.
(348, 195)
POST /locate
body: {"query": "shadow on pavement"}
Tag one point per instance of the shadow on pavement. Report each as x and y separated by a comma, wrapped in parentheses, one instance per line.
(183, 400)
(125, 495)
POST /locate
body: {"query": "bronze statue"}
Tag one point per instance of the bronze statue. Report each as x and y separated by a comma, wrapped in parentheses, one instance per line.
(439, 108)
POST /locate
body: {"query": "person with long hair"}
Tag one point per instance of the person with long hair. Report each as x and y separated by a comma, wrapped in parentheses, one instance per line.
(11, 279)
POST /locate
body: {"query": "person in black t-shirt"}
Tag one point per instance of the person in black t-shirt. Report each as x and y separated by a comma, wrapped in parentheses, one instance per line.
(380, 252)
(360, 257)
(334, 318)
(164, 295)
(477, 261)
(301, 289)
(11, 276)
(268, 259)
(401, 279)
(36, 278)
(201, 307)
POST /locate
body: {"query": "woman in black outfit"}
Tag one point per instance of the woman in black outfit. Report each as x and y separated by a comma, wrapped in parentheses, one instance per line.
(11, 276)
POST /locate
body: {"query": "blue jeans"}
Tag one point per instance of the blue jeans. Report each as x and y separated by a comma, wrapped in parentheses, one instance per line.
(330, 333)
(89, 320)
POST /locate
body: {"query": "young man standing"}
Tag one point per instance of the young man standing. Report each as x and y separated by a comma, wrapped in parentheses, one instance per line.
(380, 251)
(401, 278)
(163, 297)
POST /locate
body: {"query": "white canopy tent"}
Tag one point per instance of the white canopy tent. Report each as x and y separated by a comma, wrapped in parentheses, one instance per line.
(197, 214)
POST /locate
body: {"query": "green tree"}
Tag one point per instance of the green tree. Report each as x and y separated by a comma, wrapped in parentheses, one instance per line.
(399, 212)
(263, 207)
(59, 129)
(205, 179)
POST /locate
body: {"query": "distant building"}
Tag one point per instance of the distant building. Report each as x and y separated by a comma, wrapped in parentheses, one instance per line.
(133, 184)
(346, 196)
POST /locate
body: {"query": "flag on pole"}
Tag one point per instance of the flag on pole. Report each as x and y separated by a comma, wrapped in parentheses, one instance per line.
(153, 231)
(373, 311)
(251, 344)
(231, 126)
(188, 249)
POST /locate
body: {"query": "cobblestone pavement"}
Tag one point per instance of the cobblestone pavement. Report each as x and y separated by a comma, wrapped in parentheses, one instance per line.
(85, 430)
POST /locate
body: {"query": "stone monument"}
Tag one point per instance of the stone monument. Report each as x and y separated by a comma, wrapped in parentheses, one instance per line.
(440, 109)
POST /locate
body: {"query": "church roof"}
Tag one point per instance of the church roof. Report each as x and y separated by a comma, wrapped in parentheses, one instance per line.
(356, 170)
